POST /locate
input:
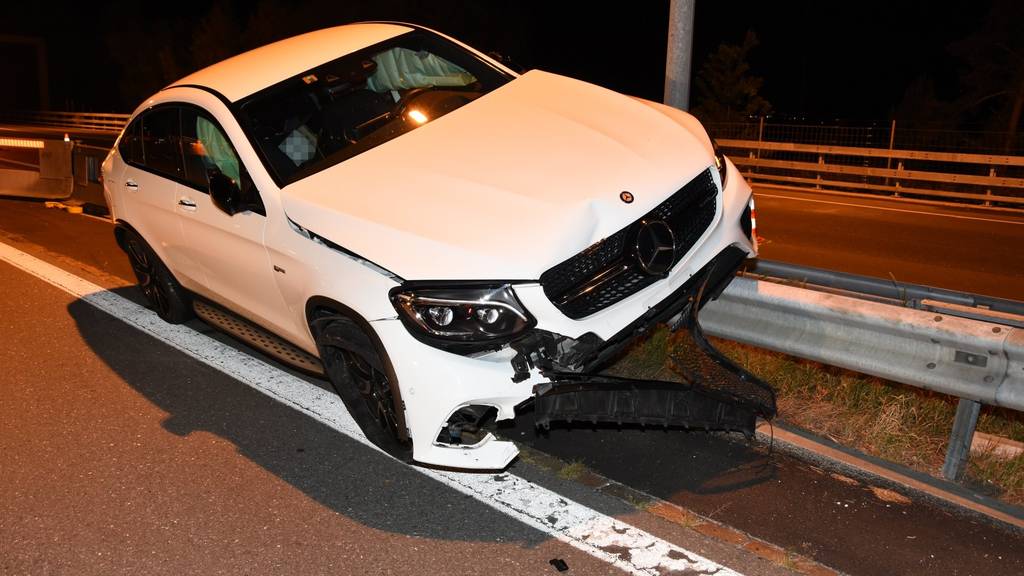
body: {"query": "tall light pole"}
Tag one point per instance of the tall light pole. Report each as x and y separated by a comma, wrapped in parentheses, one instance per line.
(679, 56)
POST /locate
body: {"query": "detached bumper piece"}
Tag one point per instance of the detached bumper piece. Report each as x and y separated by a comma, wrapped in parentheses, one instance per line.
(607, 399)
(715, 394)
(703, 366)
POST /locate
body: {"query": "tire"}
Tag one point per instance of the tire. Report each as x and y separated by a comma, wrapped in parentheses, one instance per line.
(163, 292)
(361, 381)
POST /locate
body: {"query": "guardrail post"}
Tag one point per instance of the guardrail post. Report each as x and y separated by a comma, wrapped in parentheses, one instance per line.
(960, 439)
(899, 168)
(760, 135)
(892, 140)
(988, 191)
(821, 162)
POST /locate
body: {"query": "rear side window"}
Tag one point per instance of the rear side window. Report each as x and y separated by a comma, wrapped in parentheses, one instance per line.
(131, 144)
(161, 142)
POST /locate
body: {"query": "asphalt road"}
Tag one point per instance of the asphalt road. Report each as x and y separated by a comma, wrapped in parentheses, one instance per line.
(975, 251)
(119, 454)
(123, 456)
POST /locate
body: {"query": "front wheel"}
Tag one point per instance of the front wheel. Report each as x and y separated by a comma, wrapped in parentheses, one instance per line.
(360, 379)
(168, 298)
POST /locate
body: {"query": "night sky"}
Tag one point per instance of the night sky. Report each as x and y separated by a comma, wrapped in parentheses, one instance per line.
(821, 60)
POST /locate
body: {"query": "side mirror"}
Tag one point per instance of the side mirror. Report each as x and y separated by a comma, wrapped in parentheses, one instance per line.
(225, 192)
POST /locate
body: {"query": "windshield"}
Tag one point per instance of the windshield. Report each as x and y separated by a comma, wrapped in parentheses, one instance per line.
(350, 105)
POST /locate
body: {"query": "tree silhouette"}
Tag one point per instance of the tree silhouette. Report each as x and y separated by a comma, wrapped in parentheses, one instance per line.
(151, 55)
(993, 58)
(986, 84)
(725, 89)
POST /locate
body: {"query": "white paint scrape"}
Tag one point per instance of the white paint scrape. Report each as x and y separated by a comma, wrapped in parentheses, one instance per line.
(618, 543)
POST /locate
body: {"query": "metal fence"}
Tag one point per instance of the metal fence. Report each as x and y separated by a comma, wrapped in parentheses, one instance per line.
(92, 121)
(935, 166)
(872, 135)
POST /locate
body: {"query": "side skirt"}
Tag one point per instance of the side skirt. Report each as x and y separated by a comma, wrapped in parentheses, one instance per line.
(258, 338)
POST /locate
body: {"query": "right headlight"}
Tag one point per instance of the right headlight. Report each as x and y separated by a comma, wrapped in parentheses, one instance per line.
(720, 165)
(474, 316)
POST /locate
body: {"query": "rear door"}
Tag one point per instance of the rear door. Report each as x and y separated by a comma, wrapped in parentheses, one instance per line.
(150, 150)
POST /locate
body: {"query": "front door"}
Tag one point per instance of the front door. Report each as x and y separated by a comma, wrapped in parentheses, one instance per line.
(229, 248)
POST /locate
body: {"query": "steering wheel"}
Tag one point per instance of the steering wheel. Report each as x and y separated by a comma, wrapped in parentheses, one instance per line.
(355, 133)
(407, 99)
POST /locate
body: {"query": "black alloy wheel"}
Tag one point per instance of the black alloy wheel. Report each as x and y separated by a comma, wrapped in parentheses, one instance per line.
(358, 375)
(375, 389)
(168, 298)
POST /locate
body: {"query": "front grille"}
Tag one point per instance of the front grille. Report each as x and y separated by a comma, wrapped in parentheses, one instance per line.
(609, 271)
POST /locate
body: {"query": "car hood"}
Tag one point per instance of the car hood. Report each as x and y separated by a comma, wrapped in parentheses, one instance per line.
(504, 187)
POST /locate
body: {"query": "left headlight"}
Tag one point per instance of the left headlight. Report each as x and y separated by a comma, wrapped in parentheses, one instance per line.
(478, 317)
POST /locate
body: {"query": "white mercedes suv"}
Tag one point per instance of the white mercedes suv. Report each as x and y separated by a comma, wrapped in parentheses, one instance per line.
(447, 241)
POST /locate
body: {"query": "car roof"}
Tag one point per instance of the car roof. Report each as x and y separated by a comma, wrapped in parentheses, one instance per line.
(249, 72)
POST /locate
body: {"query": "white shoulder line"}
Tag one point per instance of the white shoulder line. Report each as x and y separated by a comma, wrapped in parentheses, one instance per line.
(615, 542)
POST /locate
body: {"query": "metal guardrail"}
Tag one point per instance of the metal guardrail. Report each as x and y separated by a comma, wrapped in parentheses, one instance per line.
(88, 137)
(36, 167)
(962, 357)
(975, 360)
(99, 122)
(918, 296)
(982, 179)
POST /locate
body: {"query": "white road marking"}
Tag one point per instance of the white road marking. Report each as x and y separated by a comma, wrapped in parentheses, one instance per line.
(618, 543)
(1019, 223)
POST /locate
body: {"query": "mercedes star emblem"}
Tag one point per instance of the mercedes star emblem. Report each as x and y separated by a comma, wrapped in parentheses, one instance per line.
(655, 247)
(626, 196)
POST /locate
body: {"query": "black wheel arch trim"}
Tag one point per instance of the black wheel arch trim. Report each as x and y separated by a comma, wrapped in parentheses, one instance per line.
(121, 227)
(323, 303)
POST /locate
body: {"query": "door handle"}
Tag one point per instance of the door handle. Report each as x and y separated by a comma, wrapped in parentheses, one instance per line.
(187, 204)
(131, 185)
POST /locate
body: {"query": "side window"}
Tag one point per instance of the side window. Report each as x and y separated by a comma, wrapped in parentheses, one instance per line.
(207, 148)
(131, 146)
(161, 142)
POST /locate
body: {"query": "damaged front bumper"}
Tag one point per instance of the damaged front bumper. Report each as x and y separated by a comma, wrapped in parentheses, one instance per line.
(715, 393)
(562, 378)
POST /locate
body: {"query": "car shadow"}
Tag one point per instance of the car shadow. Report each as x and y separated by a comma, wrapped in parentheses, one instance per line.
(329, 467)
